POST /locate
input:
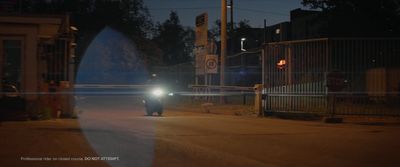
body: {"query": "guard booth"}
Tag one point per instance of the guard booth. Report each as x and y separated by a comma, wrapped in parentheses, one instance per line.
(37, 57)
(297, 75)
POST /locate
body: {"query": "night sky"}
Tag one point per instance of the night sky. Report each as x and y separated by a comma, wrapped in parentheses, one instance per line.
(255, 11)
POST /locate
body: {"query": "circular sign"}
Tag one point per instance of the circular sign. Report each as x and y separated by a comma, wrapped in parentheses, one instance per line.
(211, 64)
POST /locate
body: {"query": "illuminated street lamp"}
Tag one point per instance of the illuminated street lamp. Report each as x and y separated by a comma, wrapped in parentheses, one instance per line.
(278, 31)
(241, 44)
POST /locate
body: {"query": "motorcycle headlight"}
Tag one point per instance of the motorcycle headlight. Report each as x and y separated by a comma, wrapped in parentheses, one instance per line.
(158, 92)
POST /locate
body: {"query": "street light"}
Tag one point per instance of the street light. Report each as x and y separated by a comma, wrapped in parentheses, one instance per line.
(241, 44)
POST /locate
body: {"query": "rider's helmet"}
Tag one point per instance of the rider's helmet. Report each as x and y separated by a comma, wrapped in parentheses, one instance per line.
(153, 79)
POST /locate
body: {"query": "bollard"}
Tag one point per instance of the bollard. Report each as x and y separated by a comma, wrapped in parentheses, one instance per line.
(258, 98)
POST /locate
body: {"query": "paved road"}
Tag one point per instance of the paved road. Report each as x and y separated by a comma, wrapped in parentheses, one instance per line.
(30, 143)
(116, 128)
(194, 139)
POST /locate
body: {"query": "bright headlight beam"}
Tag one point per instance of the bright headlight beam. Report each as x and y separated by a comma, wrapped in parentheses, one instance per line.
(157, 92)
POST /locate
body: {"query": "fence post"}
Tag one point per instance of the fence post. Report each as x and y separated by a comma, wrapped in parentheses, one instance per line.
(258, 99)
(244, 98)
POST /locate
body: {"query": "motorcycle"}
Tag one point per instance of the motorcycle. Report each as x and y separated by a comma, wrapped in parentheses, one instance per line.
(153, 101)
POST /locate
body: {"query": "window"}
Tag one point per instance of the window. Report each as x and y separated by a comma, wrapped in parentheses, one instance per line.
(11, 55)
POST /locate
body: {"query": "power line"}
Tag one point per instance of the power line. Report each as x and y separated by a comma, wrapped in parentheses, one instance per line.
(185, 8)
(261, 11)
(216, 7)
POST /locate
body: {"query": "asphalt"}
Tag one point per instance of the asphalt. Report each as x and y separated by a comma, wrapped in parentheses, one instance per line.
(185, 138)
(30, 143)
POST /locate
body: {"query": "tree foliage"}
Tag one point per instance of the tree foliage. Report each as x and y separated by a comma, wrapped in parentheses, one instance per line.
(175, 40)
(167, 43)
(359, 18)
(130, 17)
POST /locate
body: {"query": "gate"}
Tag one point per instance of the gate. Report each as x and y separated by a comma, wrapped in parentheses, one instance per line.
(295, 76)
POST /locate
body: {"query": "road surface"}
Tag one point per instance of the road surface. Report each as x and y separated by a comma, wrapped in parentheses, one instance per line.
(184, 138)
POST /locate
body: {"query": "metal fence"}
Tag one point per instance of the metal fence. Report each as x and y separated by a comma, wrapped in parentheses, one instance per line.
(295, 76)
(231, 94)
(244, 69)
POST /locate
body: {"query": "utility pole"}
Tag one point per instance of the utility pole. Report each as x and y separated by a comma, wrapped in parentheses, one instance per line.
(232, 49)
(265, 30)
(223, 44)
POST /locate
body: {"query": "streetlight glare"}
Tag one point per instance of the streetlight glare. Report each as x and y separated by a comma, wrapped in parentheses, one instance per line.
(278, 31)
(241, 44)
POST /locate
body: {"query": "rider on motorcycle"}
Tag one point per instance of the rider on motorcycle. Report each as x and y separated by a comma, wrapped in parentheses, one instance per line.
(153, 97)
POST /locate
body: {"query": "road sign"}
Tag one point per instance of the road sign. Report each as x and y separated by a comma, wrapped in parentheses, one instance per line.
(211, 64)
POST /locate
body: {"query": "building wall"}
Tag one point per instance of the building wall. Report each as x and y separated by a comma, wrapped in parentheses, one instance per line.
(28, 35)
(46, 48)
(279, 32)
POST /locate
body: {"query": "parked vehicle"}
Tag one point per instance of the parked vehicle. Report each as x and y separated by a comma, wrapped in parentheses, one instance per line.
(12, 105)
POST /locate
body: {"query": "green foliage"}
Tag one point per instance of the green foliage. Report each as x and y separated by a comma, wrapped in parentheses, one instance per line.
(175, 41)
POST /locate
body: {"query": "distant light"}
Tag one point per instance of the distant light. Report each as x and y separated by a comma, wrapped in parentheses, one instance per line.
(73, 28)
(229, 6)
(241, 44)
(154, 75)
(277, 31)
(281, 64)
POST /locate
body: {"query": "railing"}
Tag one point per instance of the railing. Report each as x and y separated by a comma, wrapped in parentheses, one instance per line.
(232, 94)
(295, 76)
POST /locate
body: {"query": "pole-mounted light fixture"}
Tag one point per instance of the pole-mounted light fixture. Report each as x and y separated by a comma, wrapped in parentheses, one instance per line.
(242, 43)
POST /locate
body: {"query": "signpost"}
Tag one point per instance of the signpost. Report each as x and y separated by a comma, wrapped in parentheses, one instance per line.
(201, 45)
(200, 53)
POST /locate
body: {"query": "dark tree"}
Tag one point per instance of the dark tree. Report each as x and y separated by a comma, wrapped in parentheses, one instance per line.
(359, 18)
(130, 17)
(175, 41)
